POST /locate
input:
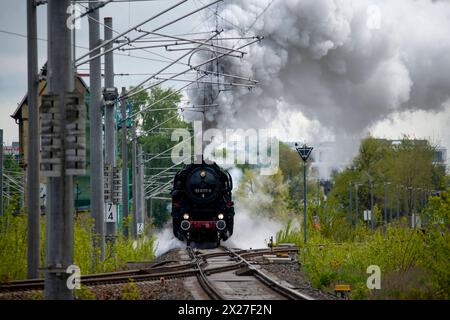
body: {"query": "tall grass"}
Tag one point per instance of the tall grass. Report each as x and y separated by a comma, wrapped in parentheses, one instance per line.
(13, 247)
(403, 254)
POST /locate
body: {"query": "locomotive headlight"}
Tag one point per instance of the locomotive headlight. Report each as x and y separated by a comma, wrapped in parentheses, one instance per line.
(186, 216)
(220, 216)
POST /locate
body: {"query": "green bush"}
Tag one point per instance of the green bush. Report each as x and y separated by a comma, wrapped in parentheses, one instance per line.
(340, 254)
(13, 247)
(130, 291)
(85, 293)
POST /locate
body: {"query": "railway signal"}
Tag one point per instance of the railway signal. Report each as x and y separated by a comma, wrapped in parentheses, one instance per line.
(304, 153)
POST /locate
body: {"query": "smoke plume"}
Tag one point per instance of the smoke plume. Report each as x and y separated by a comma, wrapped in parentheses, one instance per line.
(344, 64)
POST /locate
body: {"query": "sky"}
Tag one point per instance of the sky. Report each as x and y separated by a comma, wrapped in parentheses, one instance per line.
(432, 124)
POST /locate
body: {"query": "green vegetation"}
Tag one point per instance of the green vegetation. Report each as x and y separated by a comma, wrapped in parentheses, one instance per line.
(131, 291)
(85, 293)
(13, 248)
(158, 122)
(13, 224)
(414, 263)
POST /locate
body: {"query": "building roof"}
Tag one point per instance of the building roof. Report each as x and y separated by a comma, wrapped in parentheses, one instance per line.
(42, 78)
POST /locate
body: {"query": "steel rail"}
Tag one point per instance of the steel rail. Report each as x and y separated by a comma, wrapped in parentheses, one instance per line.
(158, 271)
(268, 281)
(202, 278)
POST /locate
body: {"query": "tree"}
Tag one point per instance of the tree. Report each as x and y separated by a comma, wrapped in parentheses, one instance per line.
(155, 129)
(264, 195)
(381, 163)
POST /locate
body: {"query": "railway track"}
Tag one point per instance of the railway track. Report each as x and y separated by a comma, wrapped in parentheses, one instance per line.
(224, 283)
(203, 266)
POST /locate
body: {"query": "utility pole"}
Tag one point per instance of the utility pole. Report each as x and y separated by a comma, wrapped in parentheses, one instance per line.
(371, 205)
(391, 206)
(356, 203)
(110, 94)
(304, 153)
(385, 209)
(139, 189)
(318, 191)
(134, 177)
(398, 202)
(125, 183)
(304, 203)
(96, 145)
(59, 238)
(141, 186)
(414, 207)
(406, 202)
(33, 207)
(1, 172)
(350, 209)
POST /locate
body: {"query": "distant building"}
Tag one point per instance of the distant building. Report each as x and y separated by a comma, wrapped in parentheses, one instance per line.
(20, 115)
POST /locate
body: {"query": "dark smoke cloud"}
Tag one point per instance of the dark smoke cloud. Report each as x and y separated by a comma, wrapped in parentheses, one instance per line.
(345, 63)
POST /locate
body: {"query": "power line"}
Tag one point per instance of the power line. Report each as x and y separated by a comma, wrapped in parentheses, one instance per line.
(84, 48)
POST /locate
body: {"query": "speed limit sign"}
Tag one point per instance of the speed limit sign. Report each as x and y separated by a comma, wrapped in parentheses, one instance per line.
(110, 212)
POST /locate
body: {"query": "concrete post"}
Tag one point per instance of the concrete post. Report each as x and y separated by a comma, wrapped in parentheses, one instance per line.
(110, 156)
(33, 207)
(60, 189)
(96, 143)
(125, 208)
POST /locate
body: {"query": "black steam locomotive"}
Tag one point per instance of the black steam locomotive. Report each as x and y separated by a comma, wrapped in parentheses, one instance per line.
(202, 206)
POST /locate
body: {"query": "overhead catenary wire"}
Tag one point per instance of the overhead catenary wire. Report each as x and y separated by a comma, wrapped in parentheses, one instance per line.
(167, 67)
(142, 35)
(192, 67)
(147, 107)
(132, 45)
(105, 43)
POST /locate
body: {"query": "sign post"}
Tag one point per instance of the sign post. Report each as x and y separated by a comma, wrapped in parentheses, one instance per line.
(304, 153)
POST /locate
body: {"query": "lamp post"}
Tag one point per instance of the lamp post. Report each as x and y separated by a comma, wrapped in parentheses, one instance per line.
(385, 208)
(415, 206)
(406, 202)
(357, 184)
(304, 153)
(410, 190)
(391, 205)
(371, 198)
(371, 205)
(350, 213)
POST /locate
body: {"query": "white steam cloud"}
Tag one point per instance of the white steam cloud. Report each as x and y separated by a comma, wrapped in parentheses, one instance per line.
(252, 230)
(166, 241)
(345, 64)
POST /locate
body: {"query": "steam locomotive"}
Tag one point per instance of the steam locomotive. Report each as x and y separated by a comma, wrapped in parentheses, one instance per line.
(202, 206)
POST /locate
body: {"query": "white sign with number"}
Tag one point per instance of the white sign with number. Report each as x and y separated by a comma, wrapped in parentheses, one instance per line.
(110, 212)
(140, 228)
(367, 215)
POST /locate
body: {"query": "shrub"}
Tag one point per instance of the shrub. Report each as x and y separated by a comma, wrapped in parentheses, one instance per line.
(131, 291)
